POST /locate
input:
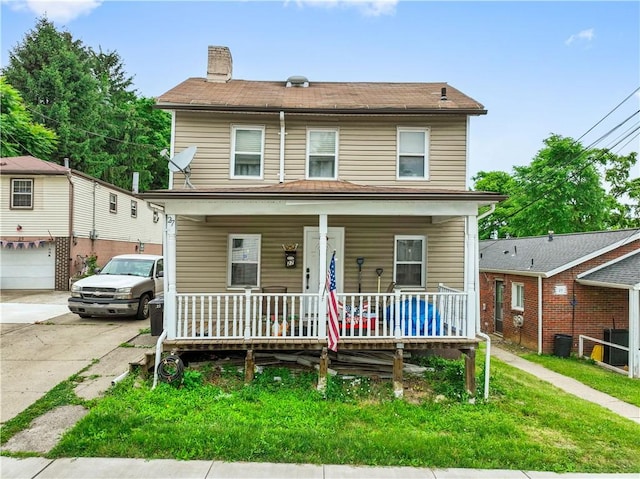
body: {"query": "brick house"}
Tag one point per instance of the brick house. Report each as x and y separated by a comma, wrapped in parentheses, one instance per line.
(539, 291)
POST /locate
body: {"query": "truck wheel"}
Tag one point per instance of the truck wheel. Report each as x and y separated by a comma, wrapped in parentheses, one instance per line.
(143, 307)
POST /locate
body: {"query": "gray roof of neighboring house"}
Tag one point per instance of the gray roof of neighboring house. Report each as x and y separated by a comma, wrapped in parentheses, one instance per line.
(542, 256)
(624, 272)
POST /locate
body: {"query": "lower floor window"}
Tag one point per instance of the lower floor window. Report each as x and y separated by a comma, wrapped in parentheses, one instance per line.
(244, 260)
(410, 261)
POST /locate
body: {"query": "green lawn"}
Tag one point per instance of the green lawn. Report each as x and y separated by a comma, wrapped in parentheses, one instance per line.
(526, 424)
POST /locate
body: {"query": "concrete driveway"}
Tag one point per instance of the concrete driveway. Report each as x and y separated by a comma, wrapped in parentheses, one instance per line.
(42, 344)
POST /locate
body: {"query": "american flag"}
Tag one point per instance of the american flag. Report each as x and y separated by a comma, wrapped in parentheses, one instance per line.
(334, 330)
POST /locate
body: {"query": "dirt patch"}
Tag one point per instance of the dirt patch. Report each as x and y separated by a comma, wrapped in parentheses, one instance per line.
(45, 431)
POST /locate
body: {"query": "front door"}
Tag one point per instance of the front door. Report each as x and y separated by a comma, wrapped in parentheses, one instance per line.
(499, 310)
(335, 241)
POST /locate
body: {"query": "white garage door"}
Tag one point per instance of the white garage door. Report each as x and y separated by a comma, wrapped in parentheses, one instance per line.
(28, 268)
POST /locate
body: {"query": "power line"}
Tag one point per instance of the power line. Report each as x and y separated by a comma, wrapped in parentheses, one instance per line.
(611, 112)
(100, 135)
(552, 173)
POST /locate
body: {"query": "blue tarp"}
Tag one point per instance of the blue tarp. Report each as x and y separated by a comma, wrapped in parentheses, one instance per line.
(416, 313)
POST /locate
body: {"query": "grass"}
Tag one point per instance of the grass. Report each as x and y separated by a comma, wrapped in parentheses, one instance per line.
(589, 373)
(527, 424)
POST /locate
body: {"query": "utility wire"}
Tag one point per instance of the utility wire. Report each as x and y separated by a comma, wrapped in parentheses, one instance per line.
(608, 114)
(584, 150)
(90, 132)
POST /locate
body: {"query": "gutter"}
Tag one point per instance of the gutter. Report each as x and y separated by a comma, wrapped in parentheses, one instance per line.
(319, 111)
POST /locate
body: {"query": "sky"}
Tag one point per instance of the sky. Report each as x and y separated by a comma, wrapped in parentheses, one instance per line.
(539, 68)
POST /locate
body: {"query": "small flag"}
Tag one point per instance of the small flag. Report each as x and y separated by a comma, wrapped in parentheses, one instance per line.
(334, 330)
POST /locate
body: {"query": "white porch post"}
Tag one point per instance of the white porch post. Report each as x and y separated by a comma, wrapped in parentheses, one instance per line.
(634, 333)
(170, 276)
(323, 231)
(471, 275)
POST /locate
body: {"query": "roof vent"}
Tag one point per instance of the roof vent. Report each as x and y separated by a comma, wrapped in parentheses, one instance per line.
(298, 81)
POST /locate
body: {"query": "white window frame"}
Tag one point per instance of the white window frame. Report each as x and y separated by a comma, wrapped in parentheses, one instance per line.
(310, 131)
(134, 209)
(230, 261)
(517, 296)
(22, 194)
(426, 131)
(423, 263)
(232, 166)
(113, 203)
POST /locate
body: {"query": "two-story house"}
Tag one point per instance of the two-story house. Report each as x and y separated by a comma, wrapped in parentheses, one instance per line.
(54, 218)
(290, 174)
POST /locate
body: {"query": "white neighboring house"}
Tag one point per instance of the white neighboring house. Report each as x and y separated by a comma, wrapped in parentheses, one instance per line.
(52, 218)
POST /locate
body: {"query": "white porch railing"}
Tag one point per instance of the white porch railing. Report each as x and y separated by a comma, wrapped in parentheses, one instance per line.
(252, 315)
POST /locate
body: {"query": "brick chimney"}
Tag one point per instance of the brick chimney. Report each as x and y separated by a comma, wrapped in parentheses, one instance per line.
(219, 64)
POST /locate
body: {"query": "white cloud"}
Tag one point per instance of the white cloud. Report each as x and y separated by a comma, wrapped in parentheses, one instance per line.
(55, 10)
(373, 8)
(585, 36)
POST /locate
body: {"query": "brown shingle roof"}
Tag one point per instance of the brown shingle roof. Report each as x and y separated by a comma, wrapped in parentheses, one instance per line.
(30, 165)
(243, 95)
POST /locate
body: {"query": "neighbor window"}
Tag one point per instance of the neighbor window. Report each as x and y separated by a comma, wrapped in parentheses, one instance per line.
(244, 260)
(413, 147)
(517, 296)
(322, 154)
(410, 261)
(22, 193)
(113, 203)
(247, 151)
(134, 209)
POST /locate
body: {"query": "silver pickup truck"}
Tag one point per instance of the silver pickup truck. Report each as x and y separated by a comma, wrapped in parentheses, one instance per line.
(123, 287)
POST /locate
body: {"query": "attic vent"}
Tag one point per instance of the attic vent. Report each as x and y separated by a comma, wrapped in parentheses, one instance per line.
(298, 81)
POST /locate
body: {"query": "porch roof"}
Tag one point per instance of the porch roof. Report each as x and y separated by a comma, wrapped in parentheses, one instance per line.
(323, 190)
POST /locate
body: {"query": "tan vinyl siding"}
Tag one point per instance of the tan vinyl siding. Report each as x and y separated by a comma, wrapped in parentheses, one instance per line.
(50, 214)
(367, 148)
(202, 250)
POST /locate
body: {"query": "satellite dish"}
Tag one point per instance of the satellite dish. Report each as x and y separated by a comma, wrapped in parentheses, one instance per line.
(181, 162)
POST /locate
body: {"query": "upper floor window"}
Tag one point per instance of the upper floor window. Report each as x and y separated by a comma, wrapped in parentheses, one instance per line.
(22, 193)
(243, 261)
(247, 151)
(517, 296)
(322, 154)
(134, 209)
(113, 203)
(410, 262)
(413, 157)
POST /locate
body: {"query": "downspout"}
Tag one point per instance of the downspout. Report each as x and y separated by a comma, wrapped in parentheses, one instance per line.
(172, 143)
(539, 314)
(71, 200)
(282, 134)
(487, 354)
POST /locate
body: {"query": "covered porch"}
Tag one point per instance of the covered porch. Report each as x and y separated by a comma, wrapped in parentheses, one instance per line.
(323, 217)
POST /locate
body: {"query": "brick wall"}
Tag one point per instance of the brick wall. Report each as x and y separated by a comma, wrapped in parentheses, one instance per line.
(62, 264)
(568, 307)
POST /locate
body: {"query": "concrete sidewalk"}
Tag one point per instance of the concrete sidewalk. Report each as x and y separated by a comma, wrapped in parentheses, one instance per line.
(569, 385)
(106, 468)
